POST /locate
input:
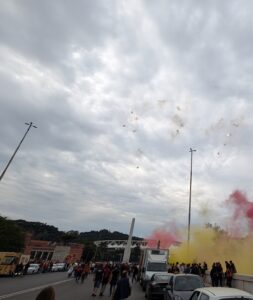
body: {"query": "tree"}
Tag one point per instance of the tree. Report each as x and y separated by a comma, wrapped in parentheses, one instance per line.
(70, 237)
(100, 251)
(88, 251)
(135, 254)
(11, 236)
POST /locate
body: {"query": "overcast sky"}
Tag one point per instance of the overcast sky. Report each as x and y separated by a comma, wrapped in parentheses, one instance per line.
(119, 91)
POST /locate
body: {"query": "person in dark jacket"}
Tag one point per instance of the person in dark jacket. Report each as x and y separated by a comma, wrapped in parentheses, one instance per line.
(214, 275)
(114, 279)
(98, 276)
(220, 273)
(123, 289)
(232, 266)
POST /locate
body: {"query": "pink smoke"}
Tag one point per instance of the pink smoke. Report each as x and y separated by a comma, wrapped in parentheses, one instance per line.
(164, 236)
(242, 211)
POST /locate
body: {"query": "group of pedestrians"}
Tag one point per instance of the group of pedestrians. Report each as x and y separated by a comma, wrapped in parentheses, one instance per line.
(194, 268)
(219, 277)
(116, 276)
(80, 271)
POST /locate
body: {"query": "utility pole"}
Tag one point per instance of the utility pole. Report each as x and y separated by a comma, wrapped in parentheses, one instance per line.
(29, 127)
(190, 198)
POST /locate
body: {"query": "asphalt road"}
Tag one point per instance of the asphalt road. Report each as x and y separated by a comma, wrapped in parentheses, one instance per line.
(28, 287)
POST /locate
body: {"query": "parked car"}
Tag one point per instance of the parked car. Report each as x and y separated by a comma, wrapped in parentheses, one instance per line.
(59, 267)
(157, 287)
(33, 269)
(220, 293)
(181, 286)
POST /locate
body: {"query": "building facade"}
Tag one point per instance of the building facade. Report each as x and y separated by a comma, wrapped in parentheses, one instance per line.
(51, 251)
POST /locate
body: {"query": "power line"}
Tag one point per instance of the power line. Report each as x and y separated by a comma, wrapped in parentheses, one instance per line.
(13, 155)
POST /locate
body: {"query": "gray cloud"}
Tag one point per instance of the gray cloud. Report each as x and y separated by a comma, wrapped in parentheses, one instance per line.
(120, 91)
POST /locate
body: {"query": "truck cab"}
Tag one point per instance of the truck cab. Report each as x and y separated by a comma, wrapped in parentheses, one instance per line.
(152, 261)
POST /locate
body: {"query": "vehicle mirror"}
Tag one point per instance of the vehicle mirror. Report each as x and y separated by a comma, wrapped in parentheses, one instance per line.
(169, 287)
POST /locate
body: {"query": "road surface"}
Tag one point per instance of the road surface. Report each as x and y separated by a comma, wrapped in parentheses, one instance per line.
(27, 287)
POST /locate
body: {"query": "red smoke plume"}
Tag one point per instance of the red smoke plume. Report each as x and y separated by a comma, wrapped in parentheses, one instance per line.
(243, 209)
(165, 237)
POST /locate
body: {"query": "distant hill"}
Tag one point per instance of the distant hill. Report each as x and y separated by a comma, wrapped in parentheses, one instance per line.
(42, 231)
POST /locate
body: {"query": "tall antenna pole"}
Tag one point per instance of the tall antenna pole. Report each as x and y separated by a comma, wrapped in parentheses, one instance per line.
(190, 198)
(29, 127)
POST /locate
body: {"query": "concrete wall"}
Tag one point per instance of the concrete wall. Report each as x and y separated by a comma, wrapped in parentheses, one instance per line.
(240, 281)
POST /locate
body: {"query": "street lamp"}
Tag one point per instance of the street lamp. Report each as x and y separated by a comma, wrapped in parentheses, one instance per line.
(29, 127)
(190, 197)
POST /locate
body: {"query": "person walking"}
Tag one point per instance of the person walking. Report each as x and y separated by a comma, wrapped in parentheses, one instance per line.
(85, 273)
(123, 289)
(114, 279)
(135, 272)
(98, 275)
(105, 279)
(78, 272)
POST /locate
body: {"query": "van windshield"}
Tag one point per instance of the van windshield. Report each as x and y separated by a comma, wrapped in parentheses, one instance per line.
(157, 267)
(8, 260)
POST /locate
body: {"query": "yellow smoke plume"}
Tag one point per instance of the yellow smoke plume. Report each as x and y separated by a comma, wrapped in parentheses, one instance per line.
(210, 246)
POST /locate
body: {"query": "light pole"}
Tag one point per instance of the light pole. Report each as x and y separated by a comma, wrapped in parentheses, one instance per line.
(190, 198)
(29, 127)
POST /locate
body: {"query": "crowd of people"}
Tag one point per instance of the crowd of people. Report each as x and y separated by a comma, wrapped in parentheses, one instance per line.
(119, 277)
(194, 268)
(219, 277)
(116, 276)
(113, 275)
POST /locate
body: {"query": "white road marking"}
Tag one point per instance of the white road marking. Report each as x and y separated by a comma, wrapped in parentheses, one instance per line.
(33, 289)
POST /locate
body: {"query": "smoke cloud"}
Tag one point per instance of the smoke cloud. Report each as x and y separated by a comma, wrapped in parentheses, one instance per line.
(212, 243)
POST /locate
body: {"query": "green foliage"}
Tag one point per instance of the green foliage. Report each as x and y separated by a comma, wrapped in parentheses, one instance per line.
(12, 239)
(11, 236)
(40, 231)
(70, 237)
(135, 254)
(89, 251)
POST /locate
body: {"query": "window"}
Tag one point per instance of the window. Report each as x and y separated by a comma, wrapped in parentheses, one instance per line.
(157, 267)
(187, 283)
(157, 252)
(195, 295)
(32, 254)
(8, 260)
(204, 297)
(162, 277)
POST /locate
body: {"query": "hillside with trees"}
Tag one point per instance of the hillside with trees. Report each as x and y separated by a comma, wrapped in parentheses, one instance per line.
(43, 231)
(12, 234)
